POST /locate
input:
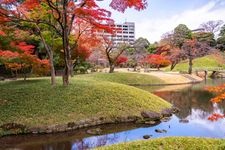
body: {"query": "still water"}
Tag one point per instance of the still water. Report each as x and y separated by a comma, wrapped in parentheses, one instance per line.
(192, 100)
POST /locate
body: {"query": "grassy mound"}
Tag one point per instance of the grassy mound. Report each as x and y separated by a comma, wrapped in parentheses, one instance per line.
(35, 103)
(124, 78)
(172, 143)
(207, 62)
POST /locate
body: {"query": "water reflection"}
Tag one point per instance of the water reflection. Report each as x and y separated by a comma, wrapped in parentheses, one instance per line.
(97, 141)
(188, 99)
(193, 102)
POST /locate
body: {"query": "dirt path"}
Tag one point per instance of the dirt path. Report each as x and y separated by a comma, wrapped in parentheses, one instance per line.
(175, 78)
(170, 77)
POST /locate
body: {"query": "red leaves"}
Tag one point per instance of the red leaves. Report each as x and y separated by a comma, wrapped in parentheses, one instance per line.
(25, 47)
(157, 60)
(31, 4)
(83, 52)
(121, 59)
(8, 54)
(122, 5)
(2, 33)
(216, 116)
(22, 58)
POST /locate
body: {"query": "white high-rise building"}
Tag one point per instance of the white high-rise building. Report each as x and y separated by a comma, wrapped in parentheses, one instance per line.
(126, 33)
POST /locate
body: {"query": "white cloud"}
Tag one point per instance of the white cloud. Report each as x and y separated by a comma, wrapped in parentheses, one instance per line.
(152, 29)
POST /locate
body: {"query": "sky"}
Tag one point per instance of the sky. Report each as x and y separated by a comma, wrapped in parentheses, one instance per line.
(162, 16)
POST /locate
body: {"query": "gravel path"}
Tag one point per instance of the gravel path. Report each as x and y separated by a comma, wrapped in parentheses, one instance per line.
(170, 77)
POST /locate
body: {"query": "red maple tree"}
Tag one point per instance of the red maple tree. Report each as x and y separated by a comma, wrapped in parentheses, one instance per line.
(121, 60)
(156, 61)
(21, 59)
(63, 14)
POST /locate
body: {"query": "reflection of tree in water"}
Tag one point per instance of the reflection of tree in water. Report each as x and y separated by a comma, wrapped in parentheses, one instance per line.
(190, 101)
(57, 146)
(92, 142)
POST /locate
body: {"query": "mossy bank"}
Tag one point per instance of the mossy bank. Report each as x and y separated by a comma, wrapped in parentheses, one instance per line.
(209, 62)
(171, 143)
(33, 106)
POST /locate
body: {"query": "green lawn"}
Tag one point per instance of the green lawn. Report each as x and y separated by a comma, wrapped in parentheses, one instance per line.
(207, 62)
(124, 78)
(171, 143)
(35, 103)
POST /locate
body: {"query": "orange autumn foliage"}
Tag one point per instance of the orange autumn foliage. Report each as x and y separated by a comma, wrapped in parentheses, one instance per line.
(22, 58)
(220, 91)
(157, 61)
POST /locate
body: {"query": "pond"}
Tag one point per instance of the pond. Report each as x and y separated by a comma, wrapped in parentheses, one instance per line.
(192, 100)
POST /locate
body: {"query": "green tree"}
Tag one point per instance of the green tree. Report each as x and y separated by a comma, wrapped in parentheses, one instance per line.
(207, 37)
(222, 31)
(221, 43)
(139, 51)
(221, 40)
(152, 48)
(181, 33)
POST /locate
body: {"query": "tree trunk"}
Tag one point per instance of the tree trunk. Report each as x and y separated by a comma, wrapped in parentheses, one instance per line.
(50, 55)
(71, 68)
(190, 66)
(111, 68)
(65, 76)
(24, 74)
(67, 72)
(67, 55)
(52, 68)
(173, 65)
(135, 68)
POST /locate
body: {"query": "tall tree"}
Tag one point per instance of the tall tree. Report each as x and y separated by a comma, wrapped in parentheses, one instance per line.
(222, 31)
(112, 51)
(221, 43)
(207, 37)
(156, 61)
(192, 49)
(83, 42)
(221, 40)
(138, 51)
(20, 59)
(63, 17)
(28, 17)
(182, 44)
(212, 26)
(152, 48)
(180, 34)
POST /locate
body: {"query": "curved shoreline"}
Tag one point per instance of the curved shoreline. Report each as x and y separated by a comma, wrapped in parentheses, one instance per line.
(146, 117)
(166, 84)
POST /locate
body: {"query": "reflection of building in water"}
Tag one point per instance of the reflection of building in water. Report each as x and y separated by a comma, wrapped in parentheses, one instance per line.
(92, 142)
